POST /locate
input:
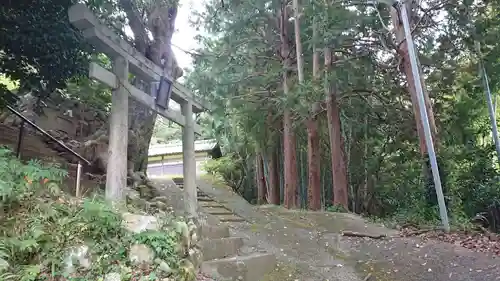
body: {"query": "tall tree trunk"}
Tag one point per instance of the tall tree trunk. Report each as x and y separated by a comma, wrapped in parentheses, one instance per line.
(273, 187)
(313, 144)
(300, 59)
(289, 138)
(313, 159)
(406, 69)
(339, 170)
(261, 180)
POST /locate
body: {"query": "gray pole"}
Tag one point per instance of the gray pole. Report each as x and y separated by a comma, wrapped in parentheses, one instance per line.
(425, 120)
(491, 109)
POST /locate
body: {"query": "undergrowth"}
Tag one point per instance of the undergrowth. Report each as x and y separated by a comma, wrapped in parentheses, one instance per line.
(39, 224)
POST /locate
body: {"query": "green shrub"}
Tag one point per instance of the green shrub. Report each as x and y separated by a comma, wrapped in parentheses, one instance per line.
(228, 168)
(19, 181)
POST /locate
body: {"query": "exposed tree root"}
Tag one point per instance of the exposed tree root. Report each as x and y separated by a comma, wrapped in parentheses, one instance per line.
(420, 231)
(360, 234)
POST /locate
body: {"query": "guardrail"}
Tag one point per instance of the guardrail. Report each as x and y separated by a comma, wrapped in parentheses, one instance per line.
(20, 141)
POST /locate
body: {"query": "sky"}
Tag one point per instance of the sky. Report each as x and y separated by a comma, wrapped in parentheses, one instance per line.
(183, 38)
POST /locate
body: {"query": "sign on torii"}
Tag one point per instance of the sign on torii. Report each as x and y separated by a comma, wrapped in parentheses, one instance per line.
(126, 58)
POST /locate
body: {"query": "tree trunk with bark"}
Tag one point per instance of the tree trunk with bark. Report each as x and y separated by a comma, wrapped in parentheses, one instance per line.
(313, 143)
(261, 180)
(161, 23)
(289, 138)
(273, 184)
(313, 159)
(274, 178)
(339, 170)
(406, 69)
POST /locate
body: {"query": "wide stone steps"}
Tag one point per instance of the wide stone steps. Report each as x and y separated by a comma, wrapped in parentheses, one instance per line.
(221, 248)
(224, 258)
(249, 268)
(211, 206)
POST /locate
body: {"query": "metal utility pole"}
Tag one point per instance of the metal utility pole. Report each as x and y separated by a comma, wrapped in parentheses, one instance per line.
(401, 7)
(491, 108)
(425, 120)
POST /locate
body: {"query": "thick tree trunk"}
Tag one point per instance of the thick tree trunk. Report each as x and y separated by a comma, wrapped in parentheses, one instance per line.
(313, 159)
(289, 139)
(274, 179)
(340, 184)
(161, 23)
(141, 125)
(313, 153)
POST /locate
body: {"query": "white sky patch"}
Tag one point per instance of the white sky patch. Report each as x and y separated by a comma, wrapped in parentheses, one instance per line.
(184, 37)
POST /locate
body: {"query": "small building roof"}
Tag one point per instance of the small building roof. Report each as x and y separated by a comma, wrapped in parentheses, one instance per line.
(176, 147)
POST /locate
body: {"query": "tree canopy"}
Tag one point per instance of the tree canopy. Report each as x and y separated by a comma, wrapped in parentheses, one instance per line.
(354, 107)
(240, 69)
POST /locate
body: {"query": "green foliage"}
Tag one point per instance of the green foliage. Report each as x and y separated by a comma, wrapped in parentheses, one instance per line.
(44, 50)
(240, 72)
(336, 209)
(19, 181)
(163, 244)
(165, 131)
(39, 225)
(228, 168)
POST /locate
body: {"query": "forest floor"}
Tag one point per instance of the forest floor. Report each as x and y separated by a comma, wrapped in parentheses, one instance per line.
(310, 246)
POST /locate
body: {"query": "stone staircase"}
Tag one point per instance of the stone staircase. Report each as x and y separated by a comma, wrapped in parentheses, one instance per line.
(225, 257)
(213, 207)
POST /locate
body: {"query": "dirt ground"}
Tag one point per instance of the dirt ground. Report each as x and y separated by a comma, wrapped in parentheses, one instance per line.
(309, 247)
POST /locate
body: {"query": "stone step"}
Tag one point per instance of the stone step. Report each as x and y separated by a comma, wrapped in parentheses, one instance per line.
(210, 204)
(218, 211)
(230, 218)
(221, 248)
(205, 199)
(214, 231)
(178, 180)
(245, 268)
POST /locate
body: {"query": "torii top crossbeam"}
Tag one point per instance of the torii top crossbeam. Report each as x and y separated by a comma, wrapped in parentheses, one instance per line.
(108, 42)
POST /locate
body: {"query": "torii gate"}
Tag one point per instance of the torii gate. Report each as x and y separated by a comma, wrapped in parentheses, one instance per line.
(125, 58)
